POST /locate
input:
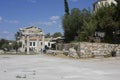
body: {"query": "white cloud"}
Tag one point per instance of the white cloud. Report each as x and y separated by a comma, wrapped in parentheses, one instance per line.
(49, 23)
(74, 0)
(5, 32)
(6, 35)
(54, 18)
(11, 21)
(32, 1)
(2, 20)
(54, 22)
(45, 23)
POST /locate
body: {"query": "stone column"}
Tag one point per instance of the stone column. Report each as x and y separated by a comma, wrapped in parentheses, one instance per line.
(28, 44)
(43, 42)
(23, 43)
(38, 44)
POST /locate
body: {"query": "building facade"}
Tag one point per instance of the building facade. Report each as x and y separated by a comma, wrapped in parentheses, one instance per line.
(49, 42)
(101, 3)
(32, 39)
(52, 43)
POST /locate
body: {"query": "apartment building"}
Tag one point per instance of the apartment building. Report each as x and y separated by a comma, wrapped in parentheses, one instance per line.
(101, 3)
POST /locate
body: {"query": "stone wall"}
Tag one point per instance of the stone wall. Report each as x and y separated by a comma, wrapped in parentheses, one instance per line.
(1, 51)
(98, 49)
(85, 49)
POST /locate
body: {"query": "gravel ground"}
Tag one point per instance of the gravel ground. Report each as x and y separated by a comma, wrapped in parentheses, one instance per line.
(41, 67)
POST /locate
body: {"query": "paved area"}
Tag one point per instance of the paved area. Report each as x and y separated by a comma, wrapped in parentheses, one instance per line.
(41, 67)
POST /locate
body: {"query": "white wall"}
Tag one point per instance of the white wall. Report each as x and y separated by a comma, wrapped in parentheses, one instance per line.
(103, 3)
(47, 43)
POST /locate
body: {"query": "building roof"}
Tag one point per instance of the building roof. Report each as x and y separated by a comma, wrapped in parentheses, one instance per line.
(32, 30)
(104, 0)
(30, 27)
(94, 4)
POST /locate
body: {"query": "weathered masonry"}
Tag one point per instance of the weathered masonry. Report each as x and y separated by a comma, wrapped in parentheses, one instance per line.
(86, 49)
(32, 39)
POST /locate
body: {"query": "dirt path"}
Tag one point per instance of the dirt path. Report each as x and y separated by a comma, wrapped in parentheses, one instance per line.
(41, 67)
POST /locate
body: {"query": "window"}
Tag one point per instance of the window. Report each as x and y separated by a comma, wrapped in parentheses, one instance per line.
(33, 43)
(30, 43)
(26, 41)
(48, 44)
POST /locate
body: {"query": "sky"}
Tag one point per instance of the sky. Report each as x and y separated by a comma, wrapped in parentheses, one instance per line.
(45, 14)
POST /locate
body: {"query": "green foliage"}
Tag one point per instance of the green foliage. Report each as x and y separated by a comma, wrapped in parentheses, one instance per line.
(66, 7)
(81, 25)
(17, 45)
(57, 34)
(108, 21)
(66, 25)
(47, 35)
(5, 47)
(4, 44)
(2, 41)
(74, 22)
(17, 35)
(88, 30)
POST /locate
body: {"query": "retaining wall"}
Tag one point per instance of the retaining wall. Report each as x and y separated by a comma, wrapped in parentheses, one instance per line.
(85, 49)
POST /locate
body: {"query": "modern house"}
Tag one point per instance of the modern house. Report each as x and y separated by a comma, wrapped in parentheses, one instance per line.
(52, 43)
(32, 39)
(49, 43)
(101, 3)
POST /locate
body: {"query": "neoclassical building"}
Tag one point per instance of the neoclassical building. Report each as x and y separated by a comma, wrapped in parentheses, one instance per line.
(32, 39)
(101, 3)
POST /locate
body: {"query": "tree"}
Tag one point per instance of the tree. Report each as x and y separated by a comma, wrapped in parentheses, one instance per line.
(2, 41)
(5, 47)
(17, 35)
(107, 18)
(65, 26)
(74, 22)
(82, 24)
(17, 45)
(86, 24)
(47, 35)
(5, 44)
(57, 34)
(66, 7)
(88, 30)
